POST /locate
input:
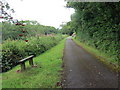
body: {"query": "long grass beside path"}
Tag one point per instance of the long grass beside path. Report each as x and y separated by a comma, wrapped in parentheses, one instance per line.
(45, 75)
(102, 57)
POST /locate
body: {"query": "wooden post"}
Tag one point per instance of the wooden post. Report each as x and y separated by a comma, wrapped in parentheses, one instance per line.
(22, 66)
(31, 61)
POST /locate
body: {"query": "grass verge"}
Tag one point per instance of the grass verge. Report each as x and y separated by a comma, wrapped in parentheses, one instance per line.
(45, 75)
(102, 57)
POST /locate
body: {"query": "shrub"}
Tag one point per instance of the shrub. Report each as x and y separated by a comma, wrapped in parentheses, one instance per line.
(15, 50)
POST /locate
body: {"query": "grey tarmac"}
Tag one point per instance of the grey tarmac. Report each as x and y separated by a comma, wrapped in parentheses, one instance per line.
(83, 70)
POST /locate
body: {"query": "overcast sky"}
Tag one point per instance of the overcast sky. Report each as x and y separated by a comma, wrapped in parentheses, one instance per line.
(46, 12)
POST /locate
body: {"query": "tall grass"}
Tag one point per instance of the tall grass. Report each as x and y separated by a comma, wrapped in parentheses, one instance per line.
(104, 58)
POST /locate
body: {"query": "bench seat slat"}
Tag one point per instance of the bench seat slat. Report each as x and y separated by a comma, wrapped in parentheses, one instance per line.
(25, 59)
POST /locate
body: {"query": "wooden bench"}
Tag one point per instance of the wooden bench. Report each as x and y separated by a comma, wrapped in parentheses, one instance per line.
(22, 62)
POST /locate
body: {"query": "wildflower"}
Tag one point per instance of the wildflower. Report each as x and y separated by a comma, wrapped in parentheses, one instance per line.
(23, 25)
(26, 40)
(20, 34)
(23, 31)
(1, 17)
(11, 17)
(18, 71)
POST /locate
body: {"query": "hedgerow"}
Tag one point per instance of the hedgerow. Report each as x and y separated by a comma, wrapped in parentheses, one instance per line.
(98, 25)
(15, 50)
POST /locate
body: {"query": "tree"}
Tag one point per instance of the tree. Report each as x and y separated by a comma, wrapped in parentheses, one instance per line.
(67, 28)
(97, 24)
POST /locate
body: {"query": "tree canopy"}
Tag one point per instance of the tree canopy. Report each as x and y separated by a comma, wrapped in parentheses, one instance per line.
(96, 24)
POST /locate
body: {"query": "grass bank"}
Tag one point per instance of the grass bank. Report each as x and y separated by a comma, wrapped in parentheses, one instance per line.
(45, 75)
(102, 57)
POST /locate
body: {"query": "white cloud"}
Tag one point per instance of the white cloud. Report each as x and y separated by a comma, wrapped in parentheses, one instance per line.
(50, 12)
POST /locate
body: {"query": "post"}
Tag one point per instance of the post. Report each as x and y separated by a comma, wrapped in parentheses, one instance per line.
(22, 66)
(31, 61)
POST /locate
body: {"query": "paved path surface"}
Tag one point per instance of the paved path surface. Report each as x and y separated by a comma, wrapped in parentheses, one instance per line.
(82, 70)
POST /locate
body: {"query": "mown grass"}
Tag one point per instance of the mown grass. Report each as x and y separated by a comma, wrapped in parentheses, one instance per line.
(102, 57)
(45, 75)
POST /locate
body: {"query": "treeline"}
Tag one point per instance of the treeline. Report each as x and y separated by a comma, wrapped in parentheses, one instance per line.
(96, 24)
(28, 29)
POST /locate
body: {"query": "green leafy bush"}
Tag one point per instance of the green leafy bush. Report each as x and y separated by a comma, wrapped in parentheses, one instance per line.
(97, 25)
(13, 51)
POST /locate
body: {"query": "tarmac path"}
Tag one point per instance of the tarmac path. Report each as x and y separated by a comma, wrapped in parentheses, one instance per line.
(82, 70)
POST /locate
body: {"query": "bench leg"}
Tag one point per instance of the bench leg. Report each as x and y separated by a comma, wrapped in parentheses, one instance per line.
(23, 66)
(31, 61)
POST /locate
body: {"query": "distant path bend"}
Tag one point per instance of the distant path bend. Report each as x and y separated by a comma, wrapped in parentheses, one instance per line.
(82, 70)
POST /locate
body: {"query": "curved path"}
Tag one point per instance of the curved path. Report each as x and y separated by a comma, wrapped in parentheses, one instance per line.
(82, 70)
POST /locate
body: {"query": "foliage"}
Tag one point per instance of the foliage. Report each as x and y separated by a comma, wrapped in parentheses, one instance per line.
(6, 11)
(31, 28)
(13, 51)
(67, 28)
(97, 24)
(45, 75)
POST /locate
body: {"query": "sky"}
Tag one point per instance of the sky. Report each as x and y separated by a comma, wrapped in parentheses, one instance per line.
(46, 12)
